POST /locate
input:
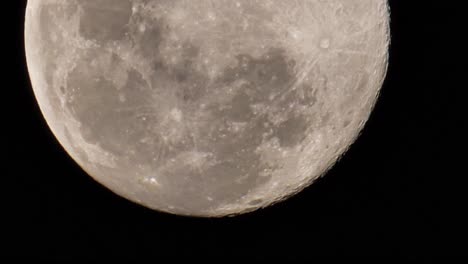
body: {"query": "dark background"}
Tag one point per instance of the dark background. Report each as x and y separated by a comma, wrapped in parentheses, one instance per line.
(399, 190)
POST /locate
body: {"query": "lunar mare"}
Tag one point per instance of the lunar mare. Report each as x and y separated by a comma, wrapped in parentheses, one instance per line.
(206, 108)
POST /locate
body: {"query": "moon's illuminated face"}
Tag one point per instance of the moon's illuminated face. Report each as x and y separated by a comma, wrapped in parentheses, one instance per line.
(206, 108)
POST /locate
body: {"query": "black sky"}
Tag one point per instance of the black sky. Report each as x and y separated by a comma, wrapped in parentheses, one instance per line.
(399, 190)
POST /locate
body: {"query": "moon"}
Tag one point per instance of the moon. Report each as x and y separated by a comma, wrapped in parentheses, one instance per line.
(206, 108)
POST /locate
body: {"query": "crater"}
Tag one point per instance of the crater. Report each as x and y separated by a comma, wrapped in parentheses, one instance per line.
(325, 43)
(255, 202)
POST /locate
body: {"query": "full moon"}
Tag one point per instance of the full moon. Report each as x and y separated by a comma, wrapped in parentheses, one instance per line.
(206, 108)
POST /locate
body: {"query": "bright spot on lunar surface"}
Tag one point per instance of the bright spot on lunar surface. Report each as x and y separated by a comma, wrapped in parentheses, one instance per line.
(206, 108)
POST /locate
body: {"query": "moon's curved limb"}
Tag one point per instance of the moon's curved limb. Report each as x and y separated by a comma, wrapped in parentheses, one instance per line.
(206, 108)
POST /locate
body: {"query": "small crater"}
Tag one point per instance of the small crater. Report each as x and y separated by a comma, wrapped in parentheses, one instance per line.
(325, 43)
(176, 114)
(151, 180)
(142, 27)
(346, 123)
(256, 202)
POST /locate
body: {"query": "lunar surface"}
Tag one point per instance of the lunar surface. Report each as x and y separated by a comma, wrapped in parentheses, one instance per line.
(206, 108)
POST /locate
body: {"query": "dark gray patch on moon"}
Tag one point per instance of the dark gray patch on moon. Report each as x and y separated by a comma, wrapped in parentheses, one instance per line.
(292, 131)
(106, 113)
(267, 77)
(147, 41)
(105, 20)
